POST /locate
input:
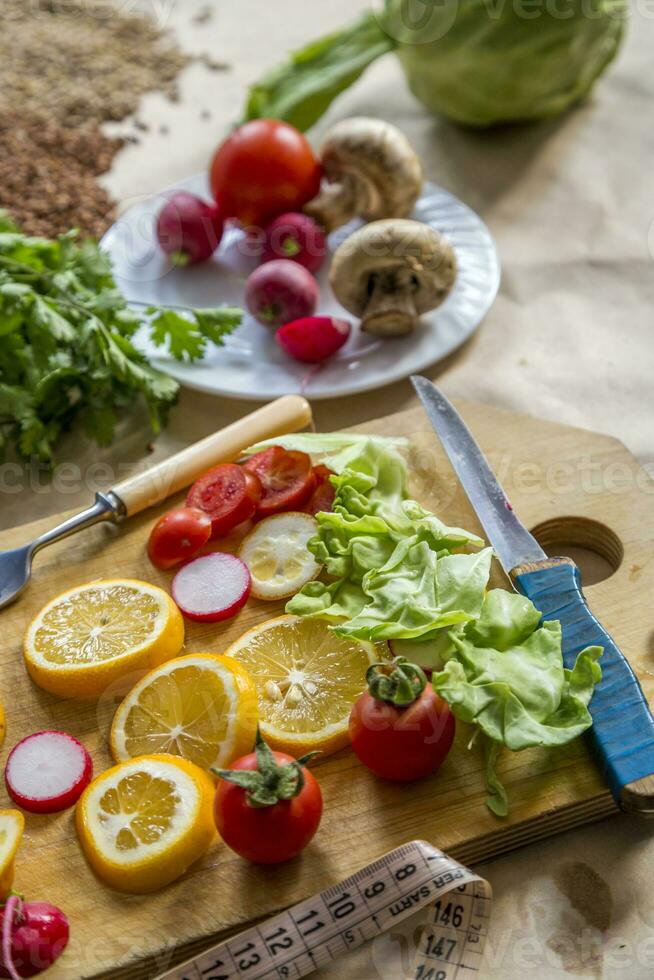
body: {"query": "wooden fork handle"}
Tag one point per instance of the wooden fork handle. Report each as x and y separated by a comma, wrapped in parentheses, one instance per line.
(288, 414)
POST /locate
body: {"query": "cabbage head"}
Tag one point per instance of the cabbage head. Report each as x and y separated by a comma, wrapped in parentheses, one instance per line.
(478, 62)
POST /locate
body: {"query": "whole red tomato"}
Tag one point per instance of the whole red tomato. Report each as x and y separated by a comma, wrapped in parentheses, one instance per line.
(400, 728)
(267, 806)
(178, 535)
(264, 168)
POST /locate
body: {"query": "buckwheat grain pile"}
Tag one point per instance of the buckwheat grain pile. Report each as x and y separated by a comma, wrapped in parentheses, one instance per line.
(67, 66)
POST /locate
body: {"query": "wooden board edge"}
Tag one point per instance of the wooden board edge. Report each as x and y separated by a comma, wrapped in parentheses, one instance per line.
(476, 852)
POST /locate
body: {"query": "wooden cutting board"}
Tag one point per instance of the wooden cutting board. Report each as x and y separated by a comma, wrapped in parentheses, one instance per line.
(551, 473)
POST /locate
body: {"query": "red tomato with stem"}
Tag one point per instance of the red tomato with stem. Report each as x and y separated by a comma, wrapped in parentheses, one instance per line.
(286, 476)
(400, 728)
(264, 168)
(268, 806)
(227, 495)
(178, 535)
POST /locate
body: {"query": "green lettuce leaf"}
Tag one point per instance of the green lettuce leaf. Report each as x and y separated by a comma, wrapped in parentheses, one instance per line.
(506, 676)
(522, 696)
(418, 591)
(391, 560)
(334, 449)
(507, 619)
(397, 572)
(497, 800)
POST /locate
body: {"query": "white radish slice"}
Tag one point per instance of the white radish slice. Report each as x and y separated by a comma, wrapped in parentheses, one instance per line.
(277, 555)
(212, 587)
(48, 772)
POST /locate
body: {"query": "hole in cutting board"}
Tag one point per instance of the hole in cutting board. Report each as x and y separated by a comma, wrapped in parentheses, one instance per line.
(596, 549)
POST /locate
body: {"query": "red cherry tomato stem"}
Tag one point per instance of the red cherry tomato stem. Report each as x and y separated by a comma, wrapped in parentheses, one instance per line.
(399, 683)
(267, 806)
(270, 782)
(402, 742)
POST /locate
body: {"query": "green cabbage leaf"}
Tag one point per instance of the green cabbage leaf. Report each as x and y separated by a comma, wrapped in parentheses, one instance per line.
(478, 62)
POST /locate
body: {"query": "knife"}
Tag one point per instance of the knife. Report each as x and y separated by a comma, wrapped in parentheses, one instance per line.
(623, 727)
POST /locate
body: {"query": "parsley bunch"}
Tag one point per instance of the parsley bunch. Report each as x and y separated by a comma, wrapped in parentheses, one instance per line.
(66, 348)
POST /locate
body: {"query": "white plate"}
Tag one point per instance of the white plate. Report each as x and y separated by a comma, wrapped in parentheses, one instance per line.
(251, 365)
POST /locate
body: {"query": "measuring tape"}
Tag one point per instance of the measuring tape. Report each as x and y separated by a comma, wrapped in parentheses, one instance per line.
(362, 908)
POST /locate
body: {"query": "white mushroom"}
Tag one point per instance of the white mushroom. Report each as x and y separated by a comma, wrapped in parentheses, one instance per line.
(390, 272)
(371, 170)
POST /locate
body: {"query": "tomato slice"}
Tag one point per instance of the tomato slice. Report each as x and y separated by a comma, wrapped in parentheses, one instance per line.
(224, 494)
(253, 486)
(322, 497)
(286, 477)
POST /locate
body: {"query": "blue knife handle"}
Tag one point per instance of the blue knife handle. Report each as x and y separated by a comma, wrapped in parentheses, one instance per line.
(623, 726)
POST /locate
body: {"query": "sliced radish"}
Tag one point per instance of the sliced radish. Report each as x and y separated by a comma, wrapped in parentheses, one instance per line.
(212, 587)
(48, 772)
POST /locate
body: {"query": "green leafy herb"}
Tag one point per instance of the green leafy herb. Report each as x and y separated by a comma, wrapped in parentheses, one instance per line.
(66, 347)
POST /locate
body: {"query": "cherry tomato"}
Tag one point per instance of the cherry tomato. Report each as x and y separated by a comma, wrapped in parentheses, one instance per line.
(286, 476)
(178, 535)
(226, 495)
(322, 497)
(264, 168)
(273, 832)
(402, 742)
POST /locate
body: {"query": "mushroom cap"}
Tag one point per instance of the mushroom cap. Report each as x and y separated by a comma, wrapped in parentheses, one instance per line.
(377, 154)
(409, 253)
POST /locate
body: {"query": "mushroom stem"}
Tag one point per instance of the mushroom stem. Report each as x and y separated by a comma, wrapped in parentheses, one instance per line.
(334, 205)
(391, 310)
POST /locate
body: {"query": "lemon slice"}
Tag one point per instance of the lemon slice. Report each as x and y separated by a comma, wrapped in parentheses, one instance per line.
(144, 822)
(307, 680)
(277, 555)
(12, 825)
(90, 636)
(200, 707)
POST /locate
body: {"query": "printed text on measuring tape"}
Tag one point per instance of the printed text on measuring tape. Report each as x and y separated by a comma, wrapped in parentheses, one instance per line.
(313, 933)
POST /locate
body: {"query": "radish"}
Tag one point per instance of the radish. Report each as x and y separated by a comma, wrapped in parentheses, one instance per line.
(280, 291)
(47, 772)
(212, 587)
(313, 338)
(34, 935)
(297, 237)
(188, 229)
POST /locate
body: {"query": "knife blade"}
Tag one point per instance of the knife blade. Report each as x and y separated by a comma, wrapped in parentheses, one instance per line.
(512, 542)
(622, 734)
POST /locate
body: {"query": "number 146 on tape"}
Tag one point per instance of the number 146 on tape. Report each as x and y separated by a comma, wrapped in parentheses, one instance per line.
(313, 933)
